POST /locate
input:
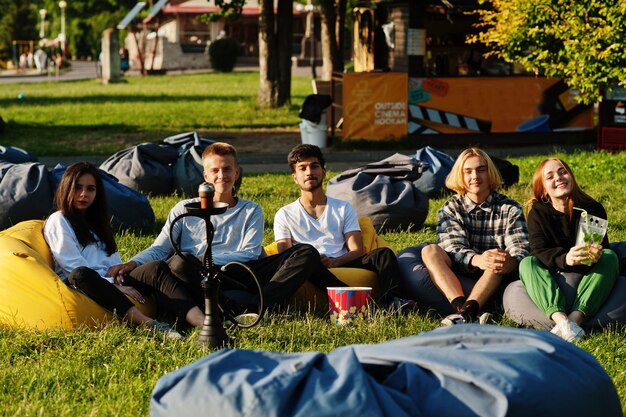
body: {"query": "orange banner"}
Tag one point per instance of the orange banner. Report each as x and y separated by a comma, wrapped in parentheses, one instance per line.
(375, 105)
(494, 105)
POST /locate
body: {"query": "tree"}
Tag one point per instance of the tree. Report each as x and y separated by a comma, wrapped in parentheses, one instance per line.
(18, 21)
(85, 22)
(333, 21)
(87, 19)
(275, 40)
(580, 41)
(284, 46)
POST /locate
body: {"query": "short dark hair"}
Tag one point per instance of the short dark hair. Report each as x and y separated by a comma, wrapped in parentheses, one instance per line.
(304, 151)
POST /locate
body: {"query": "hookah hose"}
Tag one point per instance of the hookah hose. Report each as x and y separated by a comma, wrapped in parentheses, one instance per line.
(210, 272)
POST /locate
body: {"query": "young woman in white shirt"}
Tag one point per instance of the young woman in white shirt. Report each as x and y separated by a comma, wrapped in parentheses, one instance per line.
(83, 246)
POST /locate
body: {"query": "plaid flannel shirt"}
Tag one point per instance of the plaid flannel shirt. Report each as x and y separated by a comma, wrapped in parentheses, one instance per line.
(466, 229)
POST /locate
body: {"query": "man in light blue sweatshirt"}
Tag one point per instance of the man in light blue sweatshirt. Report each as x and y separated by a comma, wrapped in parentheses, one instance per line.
(238, 238)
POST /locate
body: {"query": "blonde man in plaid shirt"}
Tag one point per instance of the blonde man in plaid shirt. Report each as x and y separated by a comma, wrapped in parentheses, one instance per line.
(481, 233)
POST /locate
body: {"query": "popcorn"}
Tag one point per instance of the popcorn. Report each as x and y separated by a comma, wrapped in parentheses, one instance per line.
(348, 304)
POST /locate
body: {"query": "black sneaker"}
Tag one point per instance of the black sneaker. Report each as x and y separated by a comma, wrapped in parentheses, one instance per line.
(402, 306)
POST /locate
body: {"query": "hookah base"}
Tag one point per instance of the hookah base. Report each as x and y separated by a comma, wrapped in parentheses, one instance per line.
(213, 333)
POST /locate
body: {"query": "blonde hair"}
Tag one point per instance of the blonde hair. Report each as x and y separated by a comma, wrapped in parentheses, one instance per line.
(221, 149)
(454, 180)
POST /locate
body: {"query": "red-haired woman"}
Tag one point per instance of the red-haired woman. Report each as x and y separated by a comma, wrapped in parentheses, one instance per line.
(83, 246)
(552, 229)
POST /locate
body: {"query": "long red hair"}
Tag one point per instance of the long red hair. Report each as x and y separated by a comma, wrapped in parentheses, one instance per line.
(540, 194)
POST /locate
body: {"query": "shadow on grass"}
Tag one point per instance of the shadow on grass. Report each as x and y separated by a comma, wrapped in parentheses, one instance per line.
(104, 139)
(72, 140)
(119, 98)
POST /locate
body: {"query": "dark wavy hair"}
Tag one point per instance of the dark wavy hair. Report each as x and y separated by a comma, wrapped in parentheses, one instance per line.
(301, 152)
(96, 219)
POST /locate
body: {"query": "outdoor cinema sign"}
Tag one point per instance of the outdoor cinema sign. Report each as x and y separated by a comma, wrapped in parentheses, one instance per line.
(375, 105)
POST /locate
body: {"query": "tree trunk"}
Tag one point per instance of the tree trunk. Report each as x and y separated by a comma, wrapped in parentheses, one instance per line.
(338, 60)
(275, 43)
(284, 34)
(328, 37)
(267, 56)
(333, 18)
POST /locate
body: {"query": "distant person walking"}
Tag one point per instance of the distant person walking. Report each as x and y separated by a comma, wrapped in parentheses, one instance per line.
(41, 60)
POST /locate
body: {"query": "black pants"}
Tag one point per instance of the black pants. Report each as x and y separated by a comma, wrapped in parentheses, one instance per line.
(154, 278)
(383, 262)
(279, 275)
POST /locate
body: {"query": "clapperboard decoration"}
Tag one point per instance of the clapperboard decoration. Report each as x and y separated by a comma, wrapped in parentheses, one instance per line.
(447, 118)
(420, 129)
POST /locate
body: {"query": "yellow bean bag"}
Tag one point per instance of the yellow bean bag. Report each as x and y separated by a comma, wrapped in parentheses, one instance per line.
(309, 296)
(32, 295)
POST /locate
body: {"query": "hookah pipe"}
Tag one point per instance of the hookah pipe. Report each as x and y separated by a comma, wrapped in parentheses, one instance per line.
(213, 333)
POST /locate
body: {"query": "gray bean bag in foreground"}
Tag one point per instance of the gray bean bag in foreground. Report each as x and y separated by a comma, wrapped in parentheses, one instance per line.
(521, 309)
(461, 371)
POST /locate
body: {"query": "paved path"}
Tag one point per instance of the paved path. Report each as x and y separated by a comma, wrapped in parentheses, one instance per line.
(84, 70)
(338, 160)
(81, 70)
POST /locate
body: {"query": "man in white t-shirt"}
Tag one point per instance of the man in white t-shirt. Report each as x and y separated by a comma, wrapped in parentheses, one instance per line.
(332, 227)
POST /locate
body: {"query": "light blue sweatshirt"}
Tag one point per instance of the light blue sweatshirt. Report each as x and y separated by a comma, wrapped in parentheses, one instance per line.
(238, 234)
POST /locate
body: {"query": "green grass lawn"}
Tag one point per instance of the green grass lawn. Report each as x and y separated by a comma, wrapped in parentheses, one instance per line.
(111, 372)
(89, 118)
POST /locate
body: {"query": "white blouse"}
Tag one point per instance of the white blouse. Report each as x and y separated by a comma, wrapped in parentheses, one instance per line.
(67, 252)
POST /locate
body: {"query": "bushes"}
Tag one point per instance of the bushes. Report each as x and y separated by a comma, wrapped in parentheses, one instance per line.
(223, 54)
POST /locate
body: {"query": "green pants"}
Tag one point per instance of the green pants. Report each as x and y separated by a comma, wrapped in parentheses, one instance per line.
(593, 290)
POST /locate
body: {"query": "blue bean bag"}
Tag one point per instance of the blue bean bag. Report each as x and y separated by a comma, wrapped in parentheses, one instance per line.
(16, 155)
(415, 280)
(464, 370)
(25, 192)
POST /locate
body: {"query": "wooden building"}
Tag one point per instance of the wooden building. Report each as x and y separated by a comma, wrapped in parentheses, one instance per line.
(174, 37)
(452, 88)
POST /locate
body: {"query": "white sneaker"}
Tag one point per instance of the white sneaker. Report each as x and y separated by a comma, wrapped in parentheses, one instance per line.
(165, 329)
(453, 319)
(485, 318)
(569, 331)
(245, 318)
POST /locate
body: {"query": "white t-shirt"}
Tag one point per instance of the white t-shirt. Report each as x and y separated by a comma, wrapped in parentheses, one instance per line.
(69, 254)
(326, 234)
